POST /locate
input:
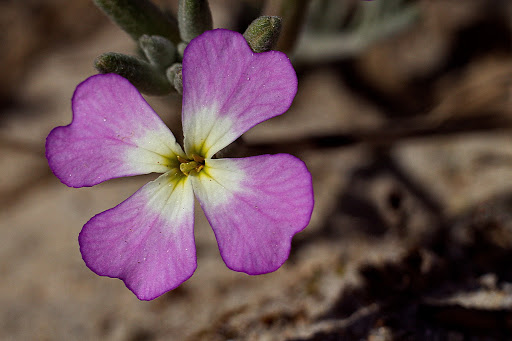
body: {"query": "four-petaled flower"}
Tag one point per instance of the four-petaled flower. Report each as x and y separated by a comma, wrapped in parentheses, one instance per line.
(255, 205)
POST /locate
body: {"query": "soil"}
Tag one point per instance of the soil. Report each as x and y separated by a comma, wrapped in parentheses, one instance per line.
(408, 141)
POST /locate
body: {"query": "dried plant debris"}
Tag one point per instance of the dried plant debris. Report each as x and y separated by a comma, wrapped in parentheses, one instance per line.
(438, 290)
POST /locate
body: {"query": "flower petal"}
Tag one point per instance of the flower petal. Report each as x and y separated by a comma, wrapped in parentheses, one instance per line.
(148, 240)
(227, 89)
(255, 205)
(114, 133)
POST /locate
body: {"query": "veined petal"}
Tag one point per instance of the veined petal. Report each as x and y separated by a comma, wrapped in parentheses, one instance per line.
(227, 89)
(255, 205)
(114, 133)
(148, 240)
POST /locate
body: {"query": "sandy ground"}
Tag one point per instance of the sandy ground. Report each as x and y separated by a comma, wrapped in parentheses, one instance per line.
(411, 154)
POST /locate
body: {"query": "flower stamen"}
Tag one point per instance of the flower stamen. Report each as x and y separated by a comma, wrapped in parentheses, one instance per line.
(187, 166)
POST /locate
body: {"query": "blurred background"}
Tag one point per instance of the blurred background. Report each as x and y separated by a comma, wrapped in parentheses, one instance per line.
(403, 116)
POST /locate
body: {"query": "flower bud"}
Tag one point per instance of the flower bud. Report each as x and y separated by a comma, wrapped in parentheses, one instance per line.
(175, 77)
(158, 50)
(194, 18)
(262, 33)
(141, 74)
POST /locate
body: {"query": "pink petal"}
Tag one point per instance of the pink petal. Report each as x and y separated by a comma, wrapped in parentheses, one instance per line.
(255, 205)
(147, 241)
(227, 89)
(114, 133)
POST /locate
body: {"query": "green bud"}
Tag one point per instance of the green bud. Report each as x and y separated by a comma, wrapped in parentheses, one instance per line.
(141, 74)
(158, 50)
(262, 33)
(181, 49)
(138, 17)
(194, 17)
(174, 76)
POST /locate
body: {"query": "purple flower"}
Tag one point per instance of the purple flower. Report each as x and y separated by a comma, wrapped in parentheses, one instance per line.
(255, 205)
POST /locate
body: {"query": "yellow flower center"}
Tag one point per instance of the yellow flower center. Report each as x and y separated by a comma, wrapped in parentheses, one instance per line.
(194, 165)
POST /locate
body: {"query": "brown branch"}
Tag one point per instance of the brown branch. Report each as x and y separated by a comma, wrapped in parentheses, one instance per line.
(395, 132)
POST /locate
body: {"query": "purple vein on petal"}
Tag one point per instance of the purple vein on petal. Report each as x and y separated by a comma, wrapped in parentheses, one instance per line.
(114, 133)
(147, 241)
(227, 89)
(255, 205)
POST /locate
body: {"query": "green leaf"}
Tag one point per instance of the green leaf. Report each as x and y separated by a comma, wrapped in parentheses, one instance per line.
(138, 17)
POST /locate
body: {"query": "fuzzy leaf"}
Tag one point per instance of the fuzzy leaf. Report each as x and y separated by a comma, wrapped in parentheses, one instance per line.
(138, 17)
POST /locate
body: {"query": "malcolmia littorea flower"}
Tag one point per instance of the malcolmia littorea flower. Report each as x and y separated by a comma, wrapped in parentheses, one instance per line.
(255, 205)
